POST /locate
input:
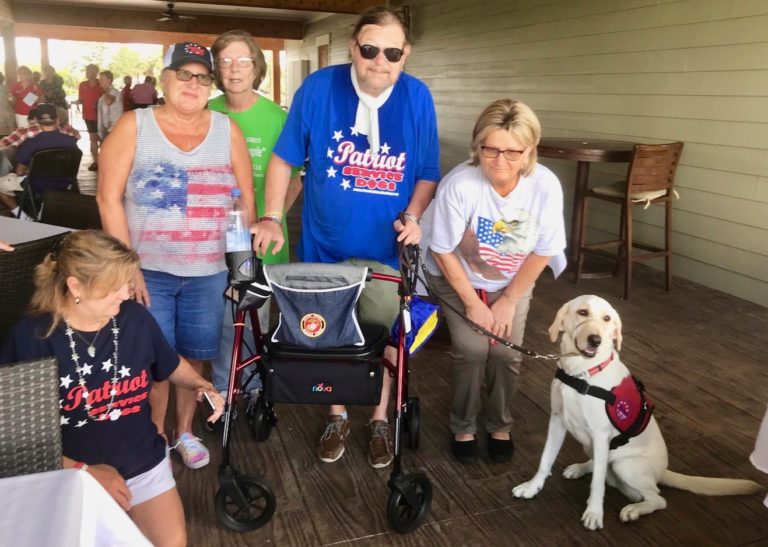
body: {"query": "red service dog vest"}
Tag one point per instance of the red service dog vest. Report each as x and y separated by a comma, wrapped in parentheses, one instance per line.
(630, 411)
(625, 405)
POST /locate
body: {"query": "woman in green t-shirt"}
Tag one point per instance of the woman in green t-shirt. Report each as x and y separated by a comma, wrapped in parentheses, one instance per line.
(240, 68)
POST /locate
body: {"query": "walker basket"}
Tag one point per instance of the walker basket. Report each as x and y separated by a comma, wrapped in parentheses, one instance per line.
(348, 375)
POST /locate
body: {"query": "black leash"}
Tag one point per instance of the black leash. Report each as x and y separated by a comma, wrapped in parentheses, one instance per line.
(409, 262)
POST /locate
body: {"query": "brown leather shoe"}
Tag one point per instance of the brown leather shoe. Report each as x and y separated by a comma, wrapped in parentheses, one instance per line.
(380, 444)
(331, 446)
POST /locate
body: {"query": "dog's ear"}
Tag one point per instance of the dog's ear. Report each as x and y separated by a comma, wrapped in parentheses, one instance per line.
(617, 329)
(557, 326)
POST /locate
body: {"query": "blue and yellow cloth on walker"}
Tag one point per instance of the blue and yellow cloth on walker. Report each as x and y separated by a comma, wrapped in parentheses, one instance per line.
(423, 324)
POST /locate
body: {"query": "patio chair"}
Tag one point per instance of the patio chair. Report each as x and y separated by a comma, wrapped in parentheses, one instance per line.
(71, 210)
(62, 163)
(650, 180)
(17, 271)
(30, 434)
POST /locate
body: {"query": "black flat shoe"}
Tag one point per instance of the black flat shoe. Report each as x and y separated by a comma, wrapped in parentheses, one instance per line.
(499, 450)
(465, 451)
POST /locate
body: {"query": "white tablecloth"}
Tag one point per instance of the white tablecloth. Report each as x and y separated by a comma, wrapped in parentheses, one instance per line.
(64, 508)
(19, 231)
(759, 457)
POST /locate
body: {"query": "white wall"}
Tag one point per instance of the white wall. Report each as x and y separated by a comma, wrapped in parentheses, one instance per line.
(638, 70)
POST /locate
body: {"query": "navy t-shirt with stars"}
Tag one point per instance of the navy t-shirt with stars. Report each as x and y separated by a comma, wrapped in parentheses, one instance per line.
(124, 437)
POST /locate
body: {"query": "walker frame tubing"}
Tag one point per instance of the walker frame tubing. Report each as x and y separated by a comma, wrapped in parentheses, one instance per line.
(236, 366)
(398, 370)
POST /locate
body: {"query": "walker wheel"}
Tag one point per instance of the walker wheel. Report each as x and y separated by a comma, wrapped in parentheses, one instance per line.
(413, 420)
(409, 503)
(263, 420)
(255, 513)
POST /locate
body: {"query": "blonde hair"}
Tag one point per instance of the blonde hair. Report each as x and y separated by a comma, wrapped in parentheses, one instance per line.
(259, 62)
(98, 261)
(512, 116)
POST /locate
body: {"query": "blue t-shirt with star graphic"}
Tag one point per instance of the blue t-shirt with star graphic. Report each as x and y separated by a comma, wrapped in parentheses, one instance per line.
(125, 438)
(351, 199)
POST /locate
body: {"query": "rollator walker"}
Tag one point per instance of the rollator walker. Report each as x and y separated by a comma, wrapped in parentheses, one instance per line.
(318, 354)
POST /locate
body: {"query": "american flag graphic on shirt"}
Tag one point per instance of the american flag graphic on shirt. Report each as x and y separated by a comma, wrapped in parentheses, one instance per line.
(183, 210)
(492, 245)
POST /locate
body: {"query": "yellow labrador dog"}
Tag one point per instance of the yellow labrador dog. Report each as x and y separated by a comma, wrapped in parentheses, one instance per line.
(590, 376)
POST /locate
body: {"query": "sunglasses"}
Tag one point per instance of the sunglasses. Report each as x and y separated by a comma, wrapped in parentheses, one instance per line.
(227, 62)
(370, 52)
(492, 153)
(185, 76)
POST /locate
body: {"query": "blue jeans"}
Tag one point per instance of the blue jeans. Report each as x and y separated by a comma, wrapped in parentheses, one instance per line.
(189, 311)
(220, 366)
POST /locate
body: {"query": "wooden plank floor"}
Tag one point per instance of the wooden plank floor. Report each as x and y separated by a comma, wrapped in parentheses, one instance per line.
(701, 354)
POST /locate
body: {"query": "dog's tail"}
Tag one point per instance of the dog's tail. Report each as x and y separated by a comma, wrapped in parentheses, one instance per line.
(710, 486)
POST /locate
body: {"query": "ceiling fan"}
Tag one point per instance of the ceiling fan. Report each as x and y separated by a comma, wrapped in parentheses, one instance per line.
(172, 15)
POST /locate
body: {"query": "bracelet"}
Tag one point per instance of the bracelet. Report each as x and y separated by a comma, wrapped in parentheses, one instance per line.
(277, 214)
(82, 466)
(271, 218)
(514, 299)
(411, 216)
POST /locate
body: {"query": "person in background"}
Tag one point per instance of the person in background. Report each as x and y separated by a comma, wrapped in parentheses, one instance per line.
(145, 94)
(7, 119)
(25, 95)
(370, 134)
(497, 223)
(164, 188)
(52, 86)
(88, 97)
(82, 314)
(5, 246)
(110, 106)
(15, 139)
(240, 69)
(49, 137)
(126, 94)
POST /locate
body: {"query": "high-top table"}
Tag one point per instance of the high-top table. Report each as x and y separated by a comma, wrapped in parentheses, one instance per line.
(584, 152)
(16, 231)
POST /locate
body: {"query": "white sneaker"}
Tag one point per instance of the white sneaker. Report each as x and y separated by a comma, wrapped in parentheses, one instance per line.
(193, 453)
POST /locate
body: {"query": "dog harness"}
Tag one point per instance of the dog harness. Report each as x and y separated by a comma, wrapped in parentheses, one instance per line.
(625, 404)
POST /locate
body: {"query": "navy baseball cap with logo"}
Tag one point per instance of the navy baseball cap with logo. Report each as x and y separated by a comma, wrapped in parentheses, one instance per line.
(182, 53)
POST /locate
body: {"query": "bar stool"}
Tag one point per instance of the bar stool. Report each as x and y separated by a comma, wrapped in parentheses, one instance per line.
(650, 180)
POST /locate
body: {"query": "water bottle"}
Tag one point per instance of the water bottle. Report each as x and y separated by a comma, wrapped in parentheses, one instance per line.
(238, 239)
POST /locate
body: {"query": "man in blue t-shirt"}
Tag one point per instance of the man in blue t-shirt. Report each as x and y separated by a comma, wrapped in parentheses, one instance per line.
(367, 136)
(50, 137)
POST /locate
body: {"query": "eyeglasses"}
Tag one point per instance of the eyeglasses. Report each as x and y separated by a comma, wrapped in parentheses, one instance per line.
(185, 76)
(227, 62)
(370, 52)
(492, 153)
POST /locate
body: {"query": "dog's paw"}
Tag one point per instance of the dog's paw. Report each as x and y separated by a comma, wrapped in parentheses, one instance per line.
(528, 489)
(577, 470)
(630, 512)
(592, 520)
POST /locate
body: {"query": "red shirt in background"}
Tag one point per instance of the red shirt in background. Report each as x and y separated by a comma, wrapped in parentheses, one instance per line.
(88, 95)
(18, 91)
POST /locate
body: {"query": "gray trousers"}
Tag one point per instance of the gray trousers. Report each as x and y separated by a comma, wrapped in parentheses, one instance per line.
(478, 367)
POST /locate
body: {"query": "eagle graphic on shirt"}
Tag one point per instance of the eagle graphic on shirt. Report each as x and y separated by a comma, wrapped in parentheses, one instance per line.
(496, 248)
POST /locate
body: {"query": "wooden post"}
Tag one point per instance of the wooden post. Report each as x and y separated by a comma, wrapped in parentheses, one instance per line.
(44, 59)
(11, 64)
(276, 76)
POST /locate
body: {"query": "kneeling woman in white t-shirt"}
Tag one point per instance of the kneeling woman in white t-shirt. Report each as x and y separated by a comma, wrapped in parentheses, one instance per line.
(497, 223)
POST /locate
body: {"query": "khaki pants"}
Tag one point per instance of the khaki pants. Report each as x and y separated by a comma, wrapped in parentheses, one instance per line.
(478, 367)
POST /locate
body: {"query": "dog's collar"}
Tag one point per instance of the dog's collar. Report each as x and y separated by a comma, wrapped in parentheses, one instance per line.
(597, 368)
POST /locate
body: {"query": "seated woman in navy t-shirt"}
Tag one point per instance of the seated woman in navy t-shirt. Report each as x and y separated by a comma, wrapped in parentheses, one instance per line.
(109, 351)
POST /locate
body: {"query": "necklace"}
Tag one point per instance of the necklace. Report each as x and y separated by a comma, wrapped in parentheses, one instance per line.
(91, 345)
(85, 369)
